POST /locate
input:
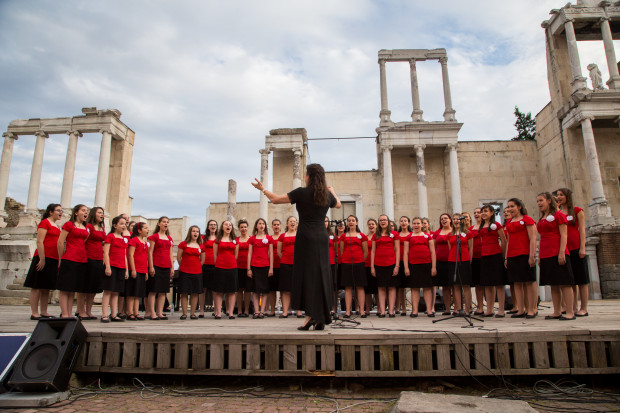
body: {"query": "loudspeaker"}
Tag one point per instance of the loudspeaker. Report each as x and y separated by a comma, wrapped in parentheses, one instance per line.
(47, 360)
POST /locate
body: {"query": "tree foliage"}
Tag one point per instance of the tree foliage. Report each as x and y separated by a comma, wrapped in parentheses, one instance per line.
(526, 126)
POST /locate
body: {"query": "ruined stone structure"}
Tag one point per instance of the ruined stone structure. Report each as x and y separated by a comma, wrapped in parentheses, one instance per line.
(423, 170)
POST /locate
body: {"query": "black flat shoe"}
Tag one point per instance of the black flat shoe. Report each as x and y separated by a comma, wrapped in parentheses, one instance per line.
(403, 314)
(500, 315)
(36, 318)
(430, 315)
(576, 315)
(489, 315)
(531, 316)
(562, 318)
(231, 317)
(218, 317)
(479, 314)
(392, 315)
(300, 316)
(363, 316)
(522, 315)
(283, 316)
(381, 315)
(201, 316)
(512, 311)
(346, 316)
(116, 320)
(412, 315)
(552, 317)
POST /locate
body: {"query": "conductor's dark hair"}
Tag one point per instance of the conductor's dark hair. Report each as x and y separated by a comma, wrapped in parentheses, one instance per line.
(316, 181)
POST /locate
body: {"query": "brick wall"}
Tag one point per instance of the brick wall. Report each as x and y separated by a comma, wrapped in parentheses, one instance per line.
(609, 262)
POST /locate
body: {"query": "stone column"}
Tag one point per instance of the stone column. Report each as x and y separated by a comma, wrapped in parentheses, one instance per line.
(455, 179)
(385, 113)
(610, 53)
(67, 180)
(422, 195)
(103, 171)
(231, 210)
(388, 184)
(35, 173)
(448, 114)
(5, 167)
(416, 115)
(598, 207)
(595, 279)
(264, 178)
(579, 82)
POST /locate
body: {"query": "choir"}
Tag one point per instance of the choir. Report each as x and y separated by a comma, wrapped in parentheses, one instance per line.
(378, 266)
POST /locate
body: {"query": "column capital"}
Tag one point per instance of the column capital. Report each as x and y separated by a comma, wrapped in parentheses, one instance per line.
(297, 152)
(412, 62)
(443, 60)
(108, 131)
(453, 146)
(386, 148)
(42, 134)
(264, 151)
(382, 61)
(583, 116)
(604, 18)
(419, 147)
(569, 20)
(75, 132)
(10, 135)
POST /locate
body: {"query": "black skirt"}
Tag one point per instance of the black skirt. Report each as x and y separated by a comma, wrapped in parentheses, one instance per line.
(46, 278)
(519, 270)
(94, 279)
(444, 276)
(463, 277)
(552, 273)
(260, 280)
(207, 276)
(135, 287)
(475, 272)
(286, 278)
(371, 282)
(274, 280)
(492, 270)
(189, 283)
(242, 279)
(578, 265)
(385, 276)
(353, 275)
(160, 282)
(116, 281)
(70, 275)
(402, 280)
(420, 276)
(225, 280)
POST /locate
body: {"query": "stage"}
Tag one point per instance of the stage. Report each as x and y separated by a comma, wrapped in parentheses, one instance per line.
(391, 347)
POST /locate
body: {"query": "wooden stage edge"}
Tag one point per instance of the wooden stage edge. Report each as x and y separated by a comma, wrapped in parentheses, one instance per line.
(396, 347)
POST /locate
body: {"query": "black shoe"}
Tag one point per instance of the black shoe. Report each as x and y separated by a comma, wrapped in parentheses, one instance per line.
(562, 318)
(522, 315)
(318, 326)
(403, 314)
(532, 316)
(381, 315)
(307, 326)
(363, 316)
(35, 318)
(412, 315)
(283, 316)
(430, 315)
(392, 316)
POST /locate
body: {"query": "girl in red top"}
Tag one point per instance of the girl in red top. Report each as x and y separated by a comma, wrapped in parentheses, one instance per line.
(384, 264)
(492, 261)
(43, 271)
(72, 258)
(225, 251)
(354, 249)
(122, 312)
(137, 258)
(371, 281)
(286, 252)
(521, 259)
(340, 230)
(274, 280)
(420, 267)
(332, 262)
(208, 267)
(401, 302)
(116, 272)
(444, 276)
(260, 265)
(190, 257)
(243, 291)
(576, 244)
(95, 268)
(555, 270)
(161, 270)
(475, 262)
(460, 262)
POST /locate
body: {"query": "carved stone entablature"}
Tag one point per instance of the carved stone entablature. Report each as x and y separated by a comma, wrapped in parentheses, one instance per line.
(286, 139)
(585, 19)
(406, 55)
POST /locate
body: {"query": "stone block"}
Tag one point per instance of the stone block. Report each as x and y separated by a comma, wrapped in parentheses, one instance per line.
(417, 402)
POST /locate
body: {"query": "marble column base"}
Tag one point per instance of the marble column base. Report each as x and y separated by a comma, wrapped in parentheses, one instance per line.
(448, 115)
(385, 118)
(29, 219)
(600, 213)
(579, 83)
(416, 115)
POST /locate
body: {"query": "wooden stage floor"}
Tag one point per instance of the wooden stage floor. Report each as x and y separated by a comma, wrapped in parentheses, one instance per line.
(396, 347)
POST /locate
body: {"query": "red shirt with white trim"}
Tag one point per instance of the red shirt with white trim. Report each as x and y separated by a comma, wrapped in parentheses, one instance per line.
(572, 228)
(207, 248)
(385, 253)
(441, 245)
(464, 253)
(276, 257)
(118, 250)
(140, 255)
(161, 250)
(518, 237)
(260, 250)
(226, 255)
(242, 255)
(50, 242)
(353, 252)
(549, 231)
(190, 259)
(75, 249)
(490, 239)
(94, 243)
(419, 249)
(288, 249)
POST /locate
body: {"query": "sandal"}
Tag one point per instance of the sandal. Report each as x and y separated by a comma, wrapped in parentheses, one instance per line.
(184, 317)
(131, 317)
(139, 317)
(193, 317)
(116, 319)
(261, 315)
(105, 319)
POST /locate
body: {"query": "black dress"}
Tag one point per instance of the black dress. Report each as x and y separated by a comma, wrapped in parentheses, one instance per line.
(312, 289)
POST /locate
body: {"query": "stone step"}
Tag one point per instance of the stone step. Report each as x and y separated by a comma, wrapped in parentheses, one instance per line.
(15, 293)
(17, 287)
(14, 301)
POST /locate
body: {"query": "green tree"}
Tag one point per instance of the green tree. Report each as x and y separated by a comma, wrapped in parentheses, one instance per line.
(526, 126)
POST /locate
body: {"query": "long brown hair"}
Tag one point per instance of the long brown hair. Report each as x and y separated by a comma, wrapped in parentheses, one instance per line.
(553, 206)
(92, 218)
(570, 207)
(188, 238)
(316, 181)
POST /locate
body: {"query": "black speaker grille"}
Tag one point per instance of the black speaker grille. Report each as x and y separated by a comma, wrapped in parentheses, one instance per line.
(40, 361)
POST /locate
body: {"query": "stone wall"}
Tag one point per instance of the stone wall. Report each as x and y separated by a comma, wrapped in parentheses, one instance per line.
(609, 266)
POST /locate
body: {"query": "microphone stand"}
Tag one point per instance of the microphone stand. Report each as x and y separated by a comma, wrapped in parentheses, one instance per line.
(457, 275)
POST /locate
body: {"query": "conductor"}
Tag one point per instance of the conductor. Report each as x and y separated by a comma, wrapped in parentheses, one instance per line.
(312, 283)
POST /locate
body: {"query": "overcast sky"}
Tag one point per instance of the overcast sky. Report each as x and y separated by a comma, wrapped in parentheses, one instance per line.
(202, 82)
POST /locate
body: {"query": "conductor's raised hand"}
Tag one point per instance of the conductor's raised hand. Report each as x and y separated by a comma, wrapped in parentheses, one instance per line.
(258, 184)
